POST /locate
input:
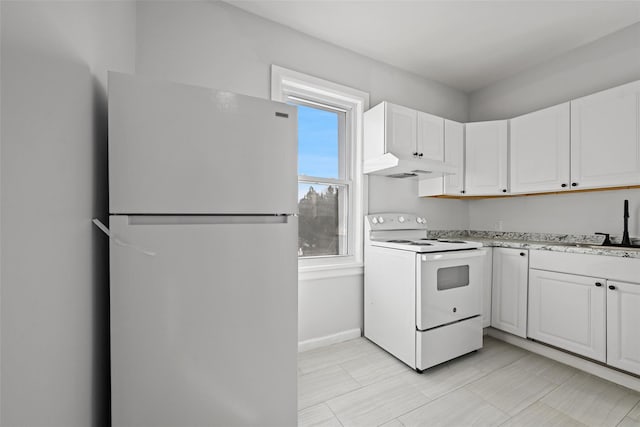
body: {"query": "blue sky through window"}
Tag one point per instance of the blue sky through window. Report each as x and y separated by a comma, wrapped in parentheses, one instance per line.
(317, 142)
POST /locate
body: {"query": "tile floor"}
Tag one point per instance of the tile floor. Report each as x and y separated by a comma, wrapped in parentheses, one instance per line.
(355, 383)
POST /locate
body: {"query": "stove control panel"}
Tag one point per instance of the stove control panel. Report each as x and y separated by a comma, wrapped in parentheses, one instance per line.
(396, 221)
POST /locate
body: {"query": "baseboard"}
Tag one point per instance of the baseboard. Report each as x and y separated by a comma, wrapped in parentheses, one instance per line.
(577, 362)
(329, 339)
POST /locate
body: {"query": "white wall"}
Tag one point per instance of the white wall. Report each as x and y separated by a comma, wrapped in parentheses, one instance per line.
(578, 213)
(607, 62)
(610, 61)
(326, 309)
(54, 277)
(217, 45)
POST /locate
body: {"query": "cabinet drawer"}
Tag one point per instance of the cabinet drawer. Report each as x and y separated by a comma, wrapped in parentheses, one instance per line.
(441, 344)
(611, 267)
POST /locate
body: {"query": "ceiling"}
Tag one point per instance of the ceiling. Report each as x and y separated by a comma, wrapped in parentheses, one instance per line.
(464, 44)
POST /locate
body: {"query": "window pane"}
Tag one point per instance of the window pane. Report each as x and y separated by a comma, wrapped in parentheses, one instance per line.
(322, 219)
(318, 142)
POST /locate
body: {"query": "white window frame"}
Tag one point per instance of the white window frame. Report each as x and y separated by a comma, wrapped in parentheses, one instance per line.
(287, 83)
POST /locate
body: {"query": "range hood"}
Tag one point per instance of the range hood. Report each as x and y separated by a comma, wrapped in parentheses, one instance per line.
(393, 167)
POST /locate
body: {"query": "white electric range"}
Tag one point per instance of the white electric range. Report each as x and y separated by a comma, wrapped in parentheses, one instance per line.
(422, 296)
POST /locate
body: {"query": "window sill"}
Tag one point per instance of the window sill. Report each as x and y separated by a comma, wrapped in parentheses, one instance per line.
(328, 270)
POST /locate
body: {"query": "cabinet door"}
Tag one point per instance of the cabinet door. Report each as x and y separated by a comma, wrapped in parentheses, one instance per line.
(605, 138)
(568, 311)
(486, 287)
(401, 131)
(623, 318)
(430, 138)
(486, 158)
(540, 151)
(454, 154)
(509, 291)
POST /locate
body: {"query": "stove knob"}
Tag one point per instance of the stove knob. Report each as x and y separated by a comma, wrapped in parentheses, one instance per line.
(374, 220)
(400, 219)
(380, 219)
(424, 220)
(419, 220)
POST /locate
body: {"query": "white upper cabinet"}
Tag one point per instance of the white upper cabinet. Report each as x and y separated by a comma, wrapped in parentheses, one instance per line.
(404, 132)
(401, 127)
(591, 142)
(605, 138)
(454, 154)
(400, 142)
(430, 138)
(453, 184)
(540, 151)
(486, 158)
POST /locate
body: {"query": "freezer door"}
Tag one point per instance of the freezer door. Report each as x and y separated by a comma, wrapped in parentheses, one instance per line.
(179, 149)
(204, 321)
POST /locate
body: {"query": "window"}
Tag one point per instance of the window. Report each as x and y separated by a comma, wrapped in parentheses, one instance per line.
(323, 181)
(330, 182)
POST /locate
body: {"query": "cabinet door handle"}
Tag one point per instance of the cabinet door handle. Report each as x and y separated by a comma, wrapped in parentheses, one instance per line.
(420, 155)
(613, 288)
(574, 184)
(598, 284)
(462, 191)
(415, 154)
(563, 185)
(523, 254)
(504, 190)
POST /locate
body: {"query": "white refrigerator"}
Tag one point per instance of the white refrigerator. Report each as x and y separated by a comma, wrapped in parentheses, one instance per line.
(203, 256)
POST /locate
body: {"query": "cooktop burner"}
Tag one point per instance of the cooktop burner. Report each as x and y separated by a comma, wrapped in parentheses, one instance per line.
(424, 245)
(408, 232)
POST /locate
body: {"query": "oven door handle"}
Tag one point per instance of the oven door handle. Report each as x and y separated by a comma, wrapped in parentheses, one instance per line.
(441, 256)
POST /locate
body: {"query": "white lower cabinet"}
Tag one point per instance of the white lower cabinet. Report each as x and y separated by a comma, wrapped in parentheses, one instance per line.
(623, 321)
(509, 290)
(568, 311)
(486, 286)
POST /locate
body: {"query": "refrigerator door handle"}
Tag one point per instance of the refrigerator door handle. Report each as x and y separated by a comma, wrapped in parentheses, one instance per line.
(115, 239)
(208, 219)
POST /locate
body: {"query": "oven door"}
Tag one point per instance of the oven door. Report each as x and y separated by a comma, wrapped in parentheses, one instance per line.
(448, 287)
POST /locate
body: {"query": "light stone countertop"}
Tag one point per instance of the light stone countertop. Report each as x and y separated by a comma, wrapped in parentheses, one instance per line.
(577, 244)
